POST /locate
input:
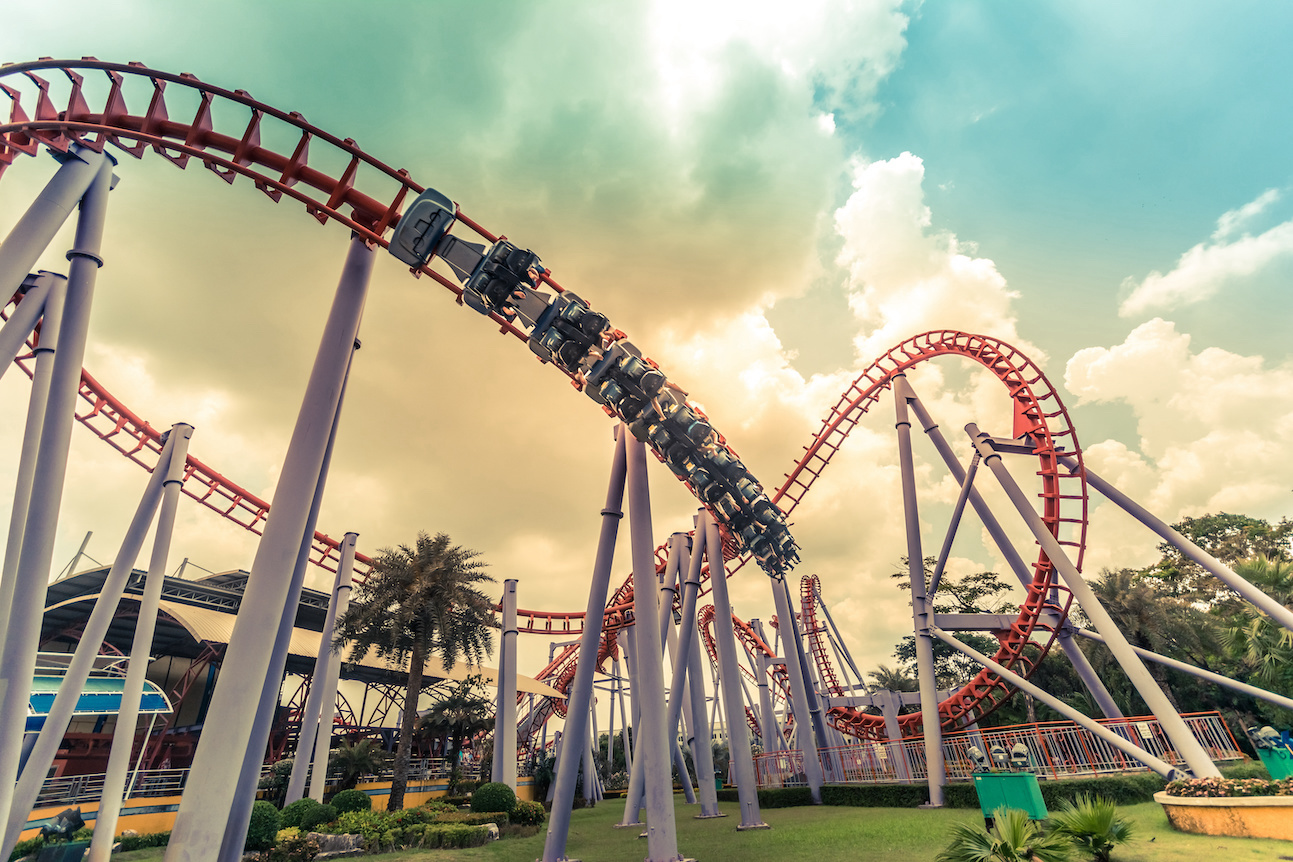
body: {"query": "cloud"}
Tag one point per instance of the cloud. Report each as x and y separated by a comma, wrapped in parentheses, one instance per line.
(903, 276)
(1206, 268)
(1214, 426)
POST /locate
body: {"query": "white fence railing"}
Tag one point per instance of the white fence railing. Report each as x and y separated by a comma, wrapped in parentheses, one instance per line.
(1055, 749)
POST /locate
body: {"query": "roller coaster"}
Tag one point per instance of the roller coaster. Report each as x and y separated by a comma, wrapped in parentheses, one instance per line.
(510, 286)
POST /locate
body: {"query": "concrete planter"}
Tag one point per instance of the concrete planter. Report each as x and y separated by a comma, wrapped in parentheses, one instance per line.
(1240, 816)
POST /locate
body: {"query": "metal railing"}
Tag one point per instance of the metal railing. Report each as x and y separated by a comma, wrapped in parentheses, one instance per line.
(1055, 749)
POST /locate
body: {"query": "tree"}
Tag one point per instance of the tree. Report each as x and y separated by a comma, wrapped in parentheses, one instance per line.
(885, 678)
(461, 711)
(1228, 537)
(418, 602)
(365, 757)
(1264, 647)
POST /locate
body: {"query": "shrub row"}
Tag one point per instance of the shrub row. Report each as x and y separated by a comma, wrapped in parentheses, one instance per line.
(431, 835)
(1122, 789)
(148, 839)
(474, 818)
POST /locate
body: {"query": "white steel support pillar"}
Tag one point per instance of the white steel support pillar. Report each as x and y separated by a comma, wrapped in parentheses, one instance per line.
(207, 805)
(738, 733)
(652, 738)
(804, 735)
(1075, 655)
(328, 700)
(920, 610)
(1194, 755)
(123, 737)
(78, 670)
(86, 176)
(562, 789)
(504, 766)
(310, 714)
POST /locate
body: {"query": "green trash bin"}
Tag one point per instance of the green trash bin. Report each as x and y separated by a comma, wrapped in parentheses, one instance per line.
(70, 851)
(1010, 790)
(1278, 761)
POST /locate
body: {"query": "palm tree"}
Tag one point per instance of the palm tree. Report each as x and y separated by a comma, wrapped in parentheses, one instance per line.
(460, 712)
(365, 757)
(1264, 646)
(886, 678)
(1013, 838)
(418, 602)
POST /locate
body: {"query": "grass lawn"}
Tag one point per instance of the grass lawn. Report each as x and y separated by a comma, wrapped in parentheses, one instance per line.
(822, 834)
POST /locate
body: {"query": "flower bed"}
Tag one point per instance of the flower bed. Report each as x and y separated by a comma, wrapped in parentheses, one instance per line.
(1243, 807)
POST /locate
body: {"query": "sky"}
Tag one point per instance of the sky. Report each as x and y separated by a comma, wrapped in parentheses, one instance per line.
(764, 202)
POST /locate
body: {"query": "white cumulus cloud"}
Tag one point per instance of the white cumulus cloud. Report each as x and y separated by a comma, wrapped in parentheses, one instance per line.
(1203, 270)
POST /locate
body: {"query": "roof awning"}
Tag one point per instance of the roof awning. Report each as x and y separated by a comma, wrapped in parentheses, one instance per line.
(101, 695)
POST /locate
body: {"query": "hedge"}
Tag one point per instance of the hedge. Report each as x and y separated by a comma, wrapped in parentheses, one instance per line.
(474, 818)
(1127, 789)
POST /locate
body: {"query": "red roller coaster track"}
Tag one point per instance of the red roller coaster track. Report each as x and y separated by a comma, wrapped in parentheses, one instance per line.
(374, 210)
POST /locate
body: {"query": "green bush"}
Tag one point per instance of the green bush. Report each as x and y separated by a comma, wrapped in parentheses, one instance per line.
(875, 795)
(148, 839)
(453, 836)
(263, 828)
(494, 796)
(293, 814)
(474, 818)
(528, 814)
(317, 816)
(1247, 769)
(295, 848)
(1093, 825)
(352, 800)
(1013, 837)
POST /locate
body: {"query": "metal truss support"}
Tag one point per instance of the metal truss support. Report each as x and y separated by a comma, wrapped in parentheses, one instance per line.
(504, 766)
(319, 692)
(738, 732)
(1208, 676)
(78, 670)
(683, 703)
(22, 320)
(328, 701)
(1076, 657)
(653, 739)
(678, 555)
(1195, 757)
(1264, 603)
(1130, 749)
(85, 176)
(262, 727)
(207, 807)
(798, 688)
(920, 606)
(562, 791)
(123, 737)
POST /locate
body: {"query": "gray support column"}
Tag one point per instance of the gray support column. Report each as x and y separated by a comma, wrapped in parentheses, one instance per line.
(505, 716)
(653, 740)
(798, 690)
(772, 739)
(581, 690)
(93, 175)
(328, 700)
(1208, 676)
(38, 225)
(589, 771)
(207, 805)
(1219, 570)
(889, 701)
(22, 320)
(610, 723)
(318, 695)
(78, 670)
(1162, 768)
(738, 733)
(1189, 748)
(253, 759)
(702, 748)
(123, 737)
(1075, 655)
(920, 610)
(806, 669)
(686, 679)
(668, 591)
(37, 406)
(637, 787)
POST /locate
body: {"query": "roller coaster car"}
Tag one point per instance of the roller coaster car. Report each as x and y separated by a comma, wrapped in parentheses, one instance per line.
(421, 228)
(567, 331)
(626, 383)
(500, 279)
